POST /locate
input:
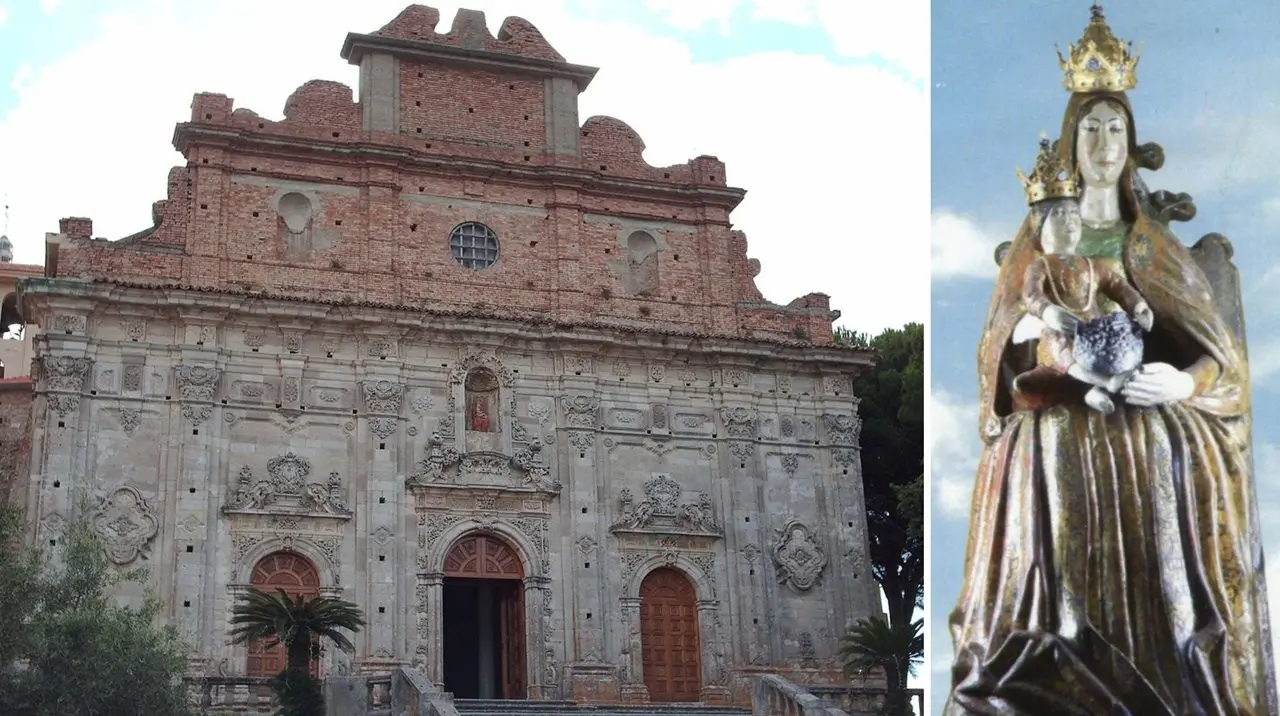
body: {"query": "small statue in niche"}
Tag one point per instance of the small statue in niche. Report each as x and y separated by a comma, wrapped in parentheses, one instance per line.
(482, 394)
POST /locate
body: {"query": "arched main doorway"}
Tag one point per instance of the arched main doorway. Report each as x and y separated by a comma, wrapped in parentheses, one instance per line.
(483, 610)
(669, 644)
(297, 576)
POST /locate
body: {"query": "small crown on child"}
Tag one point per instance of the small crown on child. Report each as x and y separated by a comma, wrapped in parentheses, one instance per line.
(1051, 178)
(1099, 62)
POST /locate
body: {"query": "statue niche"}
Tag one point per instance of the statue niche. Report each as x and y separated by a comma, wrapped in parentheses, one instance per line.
(481, 402)
(642, 264)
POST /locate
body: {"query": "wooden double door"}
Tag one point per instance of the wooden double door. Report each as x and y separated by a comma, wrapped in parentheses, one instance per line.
(669, 639)
(484, 620)
(297, 576)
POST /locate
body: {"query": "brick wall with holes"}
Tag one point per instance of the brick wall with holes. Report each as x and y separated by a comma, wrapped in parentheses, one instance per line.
(472, 146)
(15, 442)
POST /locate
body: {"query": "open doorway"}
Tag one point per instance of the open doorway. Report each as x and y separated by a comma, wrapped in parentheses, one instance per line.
(484, 621)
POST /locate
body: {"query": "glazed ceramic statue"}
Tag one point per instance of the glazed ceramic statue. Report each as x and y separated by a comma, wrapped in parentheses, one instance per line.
(1114, 563)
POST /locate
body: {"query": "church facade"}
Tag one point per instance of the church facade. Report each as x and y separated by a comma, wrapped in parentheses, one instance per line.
(439, 348)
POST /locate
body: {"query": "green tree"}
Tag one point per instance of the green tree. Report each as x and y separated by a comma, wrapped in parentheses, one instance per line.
(892, 411)
(300, 623)
(896, 649)
(68, 647)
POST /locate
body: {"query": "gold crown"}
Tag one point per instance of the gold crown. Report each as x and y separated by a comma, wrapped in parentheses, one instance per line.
(1050, 179)
(1100, 62)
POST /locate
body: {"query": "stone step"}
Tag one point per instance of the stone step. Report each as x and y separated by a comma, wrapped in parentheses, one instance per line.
(501, 707)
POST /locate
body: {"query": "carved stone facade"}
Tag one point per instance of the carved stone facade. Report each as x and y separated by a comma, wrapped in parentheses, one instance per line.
(220, 426)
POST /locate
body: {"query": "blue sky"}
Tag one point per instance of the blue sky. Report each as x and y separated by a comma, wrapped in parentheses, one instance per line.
(94, 87)
(1205, 94)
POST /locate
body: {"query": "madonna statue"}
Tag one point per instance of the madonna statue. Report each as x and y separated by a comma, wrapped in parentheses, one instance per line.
(1114, 563)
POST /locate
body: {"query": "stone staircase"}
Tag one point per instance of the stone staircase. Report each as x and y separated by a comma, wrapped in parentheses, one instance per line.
(483, 707)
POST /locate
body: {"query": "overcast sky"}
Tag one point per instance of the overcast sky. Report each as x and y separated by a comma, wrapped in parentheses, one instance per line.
(1206, 94)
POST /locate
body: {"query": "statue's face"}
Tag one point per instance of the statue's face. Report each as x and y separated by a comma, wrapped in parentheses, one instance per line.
(1102, 145)
(1062, 228)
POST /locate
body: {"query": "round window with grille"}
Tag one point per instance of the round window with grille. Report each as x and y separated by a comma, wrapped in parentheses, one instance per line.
(474, 245)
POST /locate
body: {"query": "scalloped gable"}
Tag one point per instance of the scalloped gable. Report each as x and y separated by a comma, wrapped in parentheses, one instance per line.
(611, 146)
(517, 36)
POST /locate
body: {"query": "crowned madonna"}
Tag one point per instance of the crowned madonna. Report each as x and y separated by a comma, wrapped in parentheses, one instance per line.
(1114, 563)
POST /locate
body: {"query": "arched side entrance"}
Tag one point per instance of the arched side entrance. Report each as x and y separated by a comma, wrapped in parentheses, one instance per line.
(297, 576)
(484, 622)
(670, 644)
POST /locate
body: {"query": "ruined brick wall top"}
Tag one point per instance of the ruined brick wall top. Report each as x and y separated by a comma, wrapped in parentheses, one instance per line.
(485, 143)
(517, 36)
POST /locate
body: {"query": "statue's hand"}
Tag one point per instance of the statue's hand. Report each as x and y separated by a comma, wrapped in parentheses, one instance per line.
(1061, 321)
(1143, 315)
(1156, 384)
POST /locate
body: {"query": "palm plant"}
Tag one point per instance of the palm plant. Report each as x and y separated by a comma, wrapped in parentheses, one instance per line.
(874, 643)
(299, 623)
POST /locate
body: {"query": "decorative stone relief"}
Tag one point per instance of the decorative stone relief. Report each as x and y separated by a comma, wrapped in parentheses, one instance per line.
(69, 323)
(382, 535)
(787, 426)
(383, 427)
(106, 380)
(292, 341)
(808, 655)
(197, 382)
(751, 553)
(692, 421)
(784, 383)
(586, 544)
(657, 373)
(735, 376)
(581, 411)
(131, 382)
(844, 457)
(658, 417)
(135, 329)
(740, 422)
(482, 360)
(129, 419)
(63, 404)
(287, 489)
(197, 413)
(579, 365)
(381, 347)
(255, 338)
(843, 429)
(581, 440)
(64, 373)
(422, 402)
(446, 465)
(383, 396)
(290, 390)
(621, 369)
(688, 376)
(661, 510)
(629, 418)
(741, 450)
(798, 557)
(126, 524)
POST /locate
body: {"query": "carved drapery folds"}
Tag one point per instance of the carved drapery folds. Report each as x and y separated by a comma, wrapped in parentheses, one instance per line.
(798, 557)
(444, 465)
(662, 512)
(126, 524)
(286, 490)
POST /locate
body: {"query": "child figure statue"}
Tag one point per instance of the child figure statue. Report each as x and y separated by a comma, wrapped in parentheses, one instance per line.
(1061, 288)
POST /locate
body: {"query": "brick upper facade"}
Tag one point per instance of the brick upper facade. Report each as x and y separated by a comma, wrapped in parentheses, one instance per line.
(448, 128)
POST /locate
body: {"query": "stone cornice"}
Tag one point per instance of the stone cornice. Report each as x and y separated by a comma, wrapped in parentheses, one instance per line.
(187, 134)
(39, 294)
(357, 45)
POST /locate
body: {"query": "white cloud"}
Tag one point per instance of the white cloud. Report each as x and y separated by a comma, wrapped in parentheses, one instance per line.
(895, 32)
(4, 14)
(1264, 362)
(959, 248)
(954, 448)
(50, 5)
(827, 188)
